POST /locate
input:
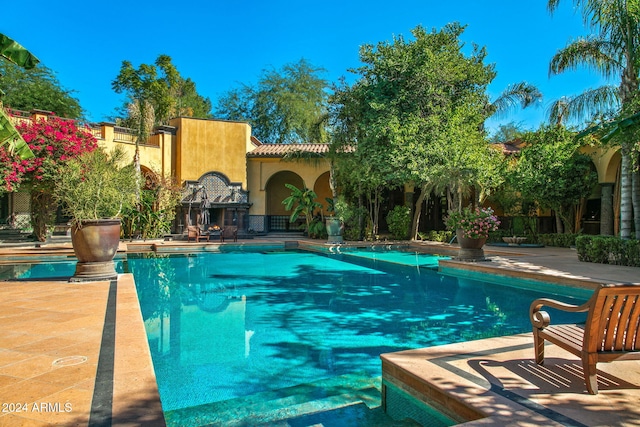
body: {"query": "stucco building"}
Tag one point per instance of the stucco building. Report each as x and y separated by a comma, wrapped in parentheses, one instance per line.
(231, 178)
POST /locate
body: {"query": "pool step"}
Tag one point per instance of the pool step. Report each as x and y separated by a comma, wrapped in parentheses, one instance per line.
(277, 406)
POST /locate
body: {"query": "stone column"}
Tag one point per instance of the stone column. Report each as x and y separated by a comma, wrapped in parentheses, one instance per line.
(606, 209)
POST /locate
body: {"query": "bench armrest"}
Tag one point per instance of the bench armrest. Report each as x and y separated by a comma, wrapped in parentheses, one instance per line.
(541, 319)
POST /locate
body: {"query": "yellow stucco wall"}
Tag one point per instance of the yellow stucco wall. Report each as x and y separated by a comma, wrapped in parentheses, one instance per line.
(260, 170)
(151, 157)
(211, 145)
(606, 160)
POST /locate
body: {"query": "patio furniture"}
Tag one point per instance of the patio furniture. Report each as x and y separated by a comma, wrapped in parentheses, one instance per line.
(611, 331)
(196, 234)
(228, 233)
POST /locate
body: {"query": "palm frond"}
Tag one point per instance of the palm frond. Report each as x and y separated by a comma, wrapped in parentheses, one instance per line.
(519, 95)
(598, 101)
(594, 52)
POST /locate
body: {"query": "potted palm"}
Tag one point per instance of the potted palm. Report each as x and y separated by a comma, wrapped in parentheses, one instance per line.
(335, 220)
(93, 190)
(472, 227)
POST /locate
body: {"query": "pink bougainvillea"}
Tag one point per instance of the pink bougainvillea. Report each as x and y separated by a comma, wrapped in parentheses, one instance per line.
(52, 140)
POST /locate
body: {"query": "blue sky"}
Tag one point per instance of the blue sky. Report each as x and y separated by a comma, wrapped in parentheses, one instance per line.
(220, 44)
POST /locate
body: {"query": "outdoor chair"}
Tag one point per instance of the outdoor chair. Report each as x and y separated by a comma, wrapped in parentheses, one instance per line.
(611, 331)
(228, 233)
(196, 234)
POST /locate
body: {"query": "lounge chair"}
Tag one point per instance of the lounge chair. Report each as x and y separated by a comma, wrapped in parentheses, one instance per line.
(196, 234)
(611, 332)
(229, 232)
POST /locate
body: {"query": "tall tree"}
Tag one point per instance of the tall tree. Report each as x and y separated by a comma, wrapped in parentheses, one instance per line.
(155, 93)
(285, 106)
(37, 88)
(159, 87)
(613, 50)
(417, 111)
(507, 132)
(554, 174)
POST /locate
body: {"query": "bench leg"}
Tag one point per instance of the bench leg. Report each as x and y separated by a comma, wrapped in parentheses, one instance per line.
(538, 347)
(590, 374)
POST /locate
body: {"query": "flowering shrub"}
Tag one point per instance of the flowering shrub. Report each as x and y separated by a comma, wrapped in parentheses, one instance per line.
(52, 141)
(475, 224)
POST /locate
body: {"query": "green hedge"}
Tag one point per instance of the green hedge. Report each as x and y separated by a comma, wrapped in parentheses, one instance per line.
(551, 239)
(443, 236)
(557, 240)
(608, 250)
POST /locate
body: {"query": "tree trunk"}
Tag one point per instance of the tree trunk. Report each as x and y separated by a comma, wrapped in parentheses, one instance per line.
(417, 212)
(626, 191)
(43, 209)
(559, 226)
(635, 197)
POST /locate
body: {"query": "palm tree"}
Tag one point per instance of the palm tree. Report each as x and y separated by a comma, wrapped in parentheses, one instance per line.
(519, 95)
(613, 51)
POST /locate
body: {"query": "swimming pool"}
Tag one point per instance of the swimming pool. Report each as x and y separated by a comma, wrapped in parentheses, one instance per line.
(253, 337)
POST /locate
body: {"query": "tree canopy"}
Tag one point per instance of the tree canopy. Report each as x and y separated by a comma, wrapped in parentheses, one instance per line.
(285, 106)
(37, 89)
(552, 172)
(157, 90)
(416, 112)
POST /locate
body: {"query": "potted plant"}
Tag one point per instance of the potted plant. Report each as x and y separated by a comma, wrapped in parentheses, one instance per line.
(94, 189)
(472, 227)
(335, 220)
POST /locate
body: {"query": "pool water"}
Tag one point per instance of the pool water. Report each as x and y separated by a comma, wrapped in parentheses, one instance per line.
(252, 337)
(239, 327)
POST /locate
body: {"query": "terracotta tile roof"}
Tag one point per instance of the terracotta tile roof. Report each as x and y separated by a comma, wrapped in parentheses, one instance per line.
(279, 150)
(511, 147)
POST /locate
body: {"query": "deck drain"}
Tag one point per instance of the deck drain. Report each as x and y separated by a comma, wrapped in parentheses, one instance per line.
(69, 361)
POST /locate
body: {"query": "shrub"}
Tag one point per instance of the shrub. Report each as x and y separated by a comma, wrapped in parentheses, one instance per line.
(608, 250)
(557, 240)
(443, 236)
(399, 221)
(96, 185)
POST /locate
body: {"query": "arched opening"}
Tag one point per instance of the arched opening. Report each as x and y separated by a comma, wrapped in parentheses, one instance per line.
(276, 192)
(323, 190)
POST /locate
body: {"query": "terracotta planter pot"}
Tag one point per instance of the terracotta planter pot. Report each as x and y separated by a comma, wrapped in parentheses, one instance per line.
(95, 243)
(470, 249)
(334, 230)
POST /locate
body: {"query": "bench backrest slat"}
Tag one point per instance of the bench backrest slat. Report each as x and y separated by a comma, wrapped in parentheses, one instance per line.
(613, 319)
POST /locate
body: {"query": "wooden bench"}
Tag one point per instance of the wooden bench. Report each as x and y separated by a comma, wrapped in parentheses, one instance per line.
(229, 232)
(611, 332)
(196, 234)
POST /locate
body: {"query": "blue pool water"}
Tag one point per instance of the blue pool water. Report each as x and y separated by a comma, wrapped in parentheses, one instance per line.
(226, 330)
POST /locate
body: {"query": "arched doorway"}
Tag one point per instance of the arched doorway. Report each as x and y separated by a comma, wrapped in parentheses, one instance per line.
(276, 192)
(323, 190)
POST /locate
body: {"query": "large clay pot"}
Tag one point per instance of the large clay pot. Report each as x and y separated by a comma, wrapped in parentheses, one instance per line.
(334, 230)
(95, 243)
(470, 249)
